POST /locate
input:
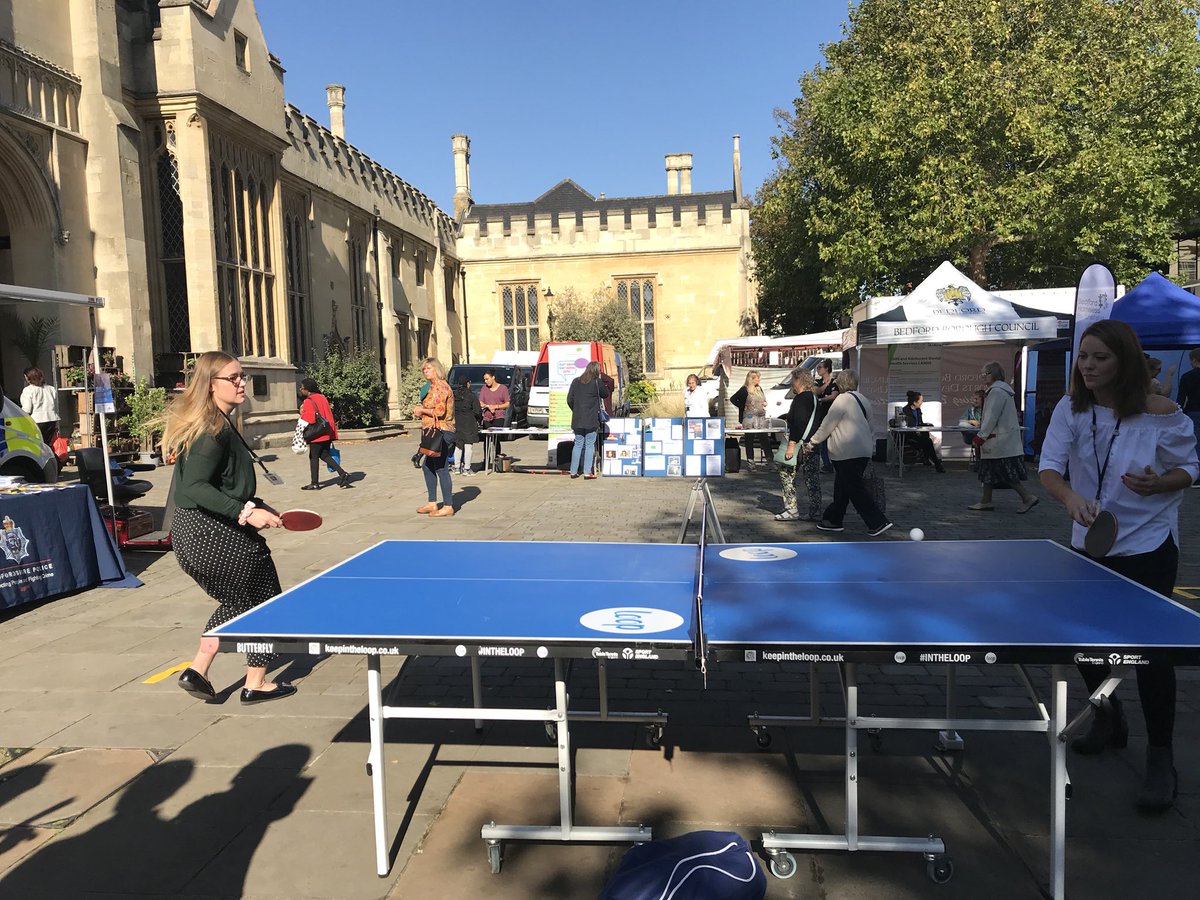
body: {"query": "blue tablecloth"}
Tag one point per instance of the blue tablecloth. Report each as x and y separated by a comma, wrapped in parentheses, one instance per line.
(52, 543)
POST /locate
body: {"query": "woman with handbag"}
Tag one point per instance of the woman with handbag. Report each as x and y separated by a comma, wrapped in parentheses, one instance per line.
(1001, 454)
(320, 431)
(215, 533)
(585, 397)
(436, 413)
(795, 465)
(847, 427)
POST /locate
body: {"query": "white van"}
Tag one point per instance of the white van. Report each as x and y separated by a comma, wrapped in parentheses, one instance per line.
(22, 451)
(779, 397)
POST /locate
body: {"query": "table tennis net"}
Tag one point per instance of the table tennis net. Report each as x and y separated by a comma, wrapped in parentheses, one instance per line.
(696, 633)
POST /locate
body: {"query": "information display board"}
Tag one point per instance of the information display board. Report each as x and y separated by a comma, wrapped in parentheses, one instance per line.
(683, 448)
(621, 452)
(703, 447)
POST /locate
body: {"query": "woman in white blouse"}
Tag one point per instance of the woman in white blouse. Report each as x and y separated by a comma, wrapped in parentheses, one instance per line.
(695, 401)
(40, 400)
(1133, 453)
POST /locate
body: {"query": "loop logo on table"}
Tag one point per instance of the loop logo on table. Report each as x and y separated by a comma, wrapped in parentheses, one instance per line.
(757, 554)
(631, 620)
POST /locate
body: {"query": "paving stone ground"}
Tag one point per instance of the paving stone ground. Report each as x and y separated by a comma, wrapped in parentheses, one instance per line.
(113, 787)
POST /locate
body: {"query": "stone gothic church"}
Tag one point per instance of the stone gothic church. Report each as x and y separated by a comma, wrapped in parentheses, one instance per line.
(148, 155)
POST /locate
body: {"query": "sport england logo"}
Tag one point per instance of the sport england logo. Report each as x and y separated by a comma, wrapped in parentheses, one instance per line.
(757, 554)
(13, 542)
(630, 620)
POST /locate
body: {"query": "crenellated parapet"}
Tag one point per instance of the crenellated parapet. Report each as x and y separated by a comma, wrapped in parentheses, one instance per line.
(36, 88)
(342, 161)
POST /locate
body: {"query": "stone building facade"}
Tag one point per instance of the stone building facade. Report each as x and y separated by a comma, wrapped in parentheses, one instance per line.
(148, 155)
(680, 260)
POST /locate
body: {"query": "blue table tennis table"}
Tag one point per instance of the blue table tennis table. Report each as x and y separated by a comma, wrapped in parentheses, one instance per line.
(892, 603)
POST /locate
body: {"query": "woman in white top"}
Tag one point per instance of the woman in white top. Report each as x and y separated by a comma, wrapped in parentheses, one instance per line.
(40, 400)
(695, 403)
(847, 427)
(1133, 453)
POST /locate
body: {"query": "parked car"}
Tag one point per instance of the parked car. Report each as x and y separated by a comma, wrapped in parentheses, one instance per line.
(779, 397)
(515, 378)
(611, 364)
(22, 451)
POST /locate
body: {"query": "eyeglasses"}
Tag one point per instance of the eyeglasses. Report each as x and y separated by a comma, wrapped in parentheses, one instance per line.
(239, 378)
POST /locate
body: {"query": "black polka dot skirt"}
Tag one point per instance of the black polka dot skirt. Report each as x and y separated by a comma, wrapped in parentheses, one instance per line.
(231, 562)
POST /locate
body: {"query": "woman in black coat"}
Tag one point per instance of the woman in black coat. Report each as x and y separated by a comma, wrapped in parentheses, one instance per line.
(467, 415)
(584, 397)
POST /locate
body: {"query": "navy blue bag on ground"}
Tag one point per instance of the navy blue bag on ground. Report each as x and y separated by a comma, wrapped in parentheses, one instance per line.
(701, 865)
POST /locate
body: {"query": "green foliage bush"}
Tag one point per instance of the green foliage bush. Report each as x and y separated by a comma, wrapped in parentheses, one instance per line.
(408, 391)
(353, 386)
(146, 407)
(641, 393)
(599, 317)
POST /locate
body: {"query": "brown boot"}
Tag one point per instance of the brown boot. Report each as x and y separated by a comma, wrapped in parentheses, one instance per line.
(429, 507)
(446, 510)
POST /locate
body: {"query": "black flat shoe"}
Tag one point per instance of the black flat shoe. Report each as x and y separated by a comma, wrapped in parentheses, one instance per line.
(311, 487)
(282, 689)
(344, 481)
(196, 684)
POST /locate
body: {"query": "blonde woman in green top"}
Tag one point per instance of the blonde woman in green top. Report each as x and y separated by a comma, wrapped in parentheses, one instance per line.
(215, 533)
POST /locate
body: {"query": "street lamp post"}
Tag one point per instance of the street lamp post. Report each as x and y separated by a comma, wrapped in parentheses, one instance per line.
(550, 317)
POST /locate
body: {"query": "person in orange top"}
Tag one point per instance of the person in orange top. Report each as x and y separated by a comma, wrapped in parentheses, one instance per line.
(437, 411)
(319, 448)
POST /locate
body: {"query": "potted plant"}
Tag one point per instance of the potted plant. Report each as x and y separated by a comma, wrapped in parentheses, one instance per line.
(73, 376)
(146, 405)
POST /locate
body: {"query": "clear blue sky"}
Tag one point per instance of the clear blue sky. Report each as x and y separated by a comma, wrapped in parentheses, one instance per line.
(554, 90)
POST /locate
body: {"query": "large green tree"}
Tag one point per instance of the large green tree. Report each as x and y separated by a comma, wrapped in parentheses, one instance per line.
(1019, 138)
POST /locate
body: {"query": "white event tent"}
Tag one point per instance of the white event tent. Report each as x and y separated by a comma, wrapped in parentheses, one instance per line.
(937, 339)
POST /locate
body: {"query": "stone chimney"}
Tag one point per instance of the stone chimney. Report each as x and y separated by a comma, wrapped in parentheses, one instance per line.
(679, 173)
(462, 174)
(737, 168)
(685, 173)
(335, 94)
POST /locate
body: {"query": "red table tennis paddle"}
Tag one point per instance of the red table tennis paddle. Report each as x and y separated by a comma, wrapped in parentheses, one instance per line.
(1101, 535)
(301, 520)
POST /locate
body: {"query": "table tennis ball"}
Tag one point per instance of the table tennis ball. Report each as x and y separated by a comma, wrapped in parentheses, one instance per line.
(917, 534)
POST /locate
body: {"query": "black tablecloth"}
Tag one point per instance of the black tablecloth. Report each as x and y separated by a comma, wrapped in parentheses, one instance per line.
(54, 542)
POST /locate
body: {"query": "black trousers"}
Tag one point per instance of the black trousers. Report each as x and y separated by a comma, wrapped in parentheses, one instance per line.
(1156, 682)
(925, 449)
(848, 489)
(320, 453)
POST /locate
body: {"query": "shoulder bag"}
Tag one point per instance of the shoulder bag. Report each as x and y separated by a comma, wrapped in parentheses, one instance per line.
(871, 480)
(602, 413)
(433, 441)
(317, 428)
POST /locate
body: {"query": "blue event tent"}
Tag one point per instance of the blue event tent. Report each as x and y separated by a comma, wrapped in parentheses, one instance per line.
(1162, 313)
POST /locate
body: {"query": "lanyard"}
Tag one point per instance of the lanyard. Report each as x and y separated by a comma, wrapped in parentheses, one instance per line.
(1101, 469)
